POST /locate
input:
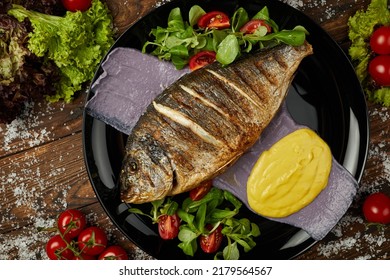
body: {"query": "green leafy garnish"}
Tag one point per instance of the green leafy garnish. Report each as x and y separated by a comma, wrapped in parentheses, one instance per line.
(216, 208)
(159, 207)
(180, 40)
(76, 43)
(361, 26)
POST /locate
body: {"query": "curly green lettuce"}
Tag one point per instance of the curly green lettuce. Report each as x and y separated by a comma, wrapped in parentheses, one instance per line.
(76, 43)
(361, 26)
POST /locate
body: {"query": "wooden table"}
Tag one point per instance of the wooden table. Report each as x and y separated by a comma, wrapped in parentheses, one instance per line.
(42, 169)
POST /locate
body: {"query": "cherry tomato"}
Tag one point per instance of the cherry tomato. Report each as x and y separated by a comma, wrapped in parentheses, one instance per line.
(71, 222)
(77, 5)
(214, 19)
(380, 40)
(92, 241)
(201, 59)
(200, 191)
(57, 249)
(252, 25)
(168, 226)
(114, 252)
(376, 208)
(379, 69)
(210, 243)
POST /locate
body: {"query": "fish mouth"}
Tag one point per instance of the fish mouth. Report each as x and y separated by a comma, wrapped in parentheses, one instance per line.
(137, 194)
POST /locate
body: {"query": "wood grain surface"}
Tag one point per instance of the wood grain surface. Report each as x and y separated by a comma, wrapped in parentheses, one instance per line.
(42, 170)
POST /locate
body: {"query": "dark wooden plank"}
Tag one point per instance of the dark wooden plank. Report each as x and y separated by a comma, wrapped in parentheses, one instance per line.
(333, 15)
(127, 12)
(41, 123)
(43, 181)
(28, 243)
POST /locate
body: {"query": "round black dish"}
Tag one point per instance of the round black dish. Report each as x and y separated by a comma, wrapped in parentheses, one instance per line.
(325, 95)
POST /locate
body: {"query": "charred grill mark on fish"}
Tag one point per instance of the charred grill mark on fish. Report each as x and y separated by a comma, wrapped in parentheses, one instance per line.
(205, 101)
(219, 93)
(168, 132)
(236, 88)
(196, 109)
(204, 122)
(186, 121)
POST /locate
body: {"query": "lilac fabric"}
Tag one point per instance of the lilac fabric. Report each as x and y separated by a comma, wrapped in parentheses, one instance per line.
(128, 84)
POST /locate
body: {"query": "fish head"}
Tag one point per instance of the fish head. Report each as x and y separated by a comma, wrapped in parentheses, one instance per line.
(147, 173)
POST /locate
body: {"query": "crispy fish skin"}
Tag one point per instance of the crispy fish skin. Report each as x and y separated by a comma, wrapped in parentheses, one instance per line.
(205, 121)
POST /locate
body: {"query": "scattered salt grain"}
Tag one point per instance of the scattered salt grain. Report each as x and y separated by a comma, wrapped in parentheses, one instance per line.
(22, 184)
(376, 238)
(329, 7)
(160, 3)
(294, 3)
(21, 130)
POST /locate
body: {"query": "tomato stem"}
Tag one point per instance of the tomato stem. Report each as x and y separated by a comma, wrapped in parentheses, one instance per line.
(49, 229)
(379, 226)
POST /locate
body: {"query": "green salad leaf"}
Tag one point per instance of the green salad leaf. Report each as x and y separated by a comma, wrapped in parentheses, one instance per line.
(76, 43)
(216, 208)
(180, 40)
(361, 26)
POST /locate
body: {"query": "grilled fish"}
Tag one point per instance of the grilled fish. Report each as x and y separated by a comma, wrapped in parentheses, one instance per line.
(202, 123)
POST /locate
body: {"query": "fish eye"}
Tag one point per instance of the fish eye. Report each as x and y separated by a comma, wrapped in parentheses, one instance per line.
(133, 166)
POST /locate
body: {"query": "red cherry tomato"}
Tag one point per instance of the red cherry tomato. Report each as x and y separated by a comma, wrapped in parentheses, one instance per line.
(210, 243)
(201, 59)
(380, 40)
(57, 249)
(379, 69)
(77, 5)
(214, 19)
(71, 222)
(92, 241)
(376, 208)
(200, 191)
(168, 226)
(114, 252)
(251, 26)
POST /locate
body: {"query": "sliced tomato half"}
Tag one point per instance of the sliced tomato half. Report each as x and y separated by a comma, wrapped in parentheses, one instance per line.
(200, 191)
(214, 19)
(252, 25)
(168, 226)
(201, 59)
(210, 243)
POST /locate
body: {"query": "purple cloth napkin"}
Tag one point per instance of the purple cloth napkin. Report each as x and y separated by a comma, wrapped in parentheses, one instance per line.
(128, 84)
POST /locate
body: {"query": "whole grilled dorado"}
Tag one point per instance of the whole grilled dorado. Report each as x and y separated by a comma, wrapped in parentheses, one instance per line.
(202, 123)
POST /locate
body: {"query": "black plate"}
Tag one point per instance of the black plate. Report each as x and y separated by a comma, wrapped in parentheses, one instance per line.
(325, 95)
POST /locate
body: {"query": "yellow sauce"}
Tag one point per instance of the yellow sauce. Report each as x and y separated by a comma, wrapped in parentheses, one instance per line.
(289, 175)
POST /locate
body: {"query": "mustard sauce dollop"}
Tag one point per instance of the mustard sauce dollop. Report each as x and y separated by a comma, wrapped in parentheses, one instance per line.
(290, 175)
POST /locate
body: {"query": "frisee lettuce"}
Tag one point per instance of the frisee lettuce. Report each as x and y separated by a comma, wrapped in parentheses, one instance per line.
(76, 43)
(361, 26)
